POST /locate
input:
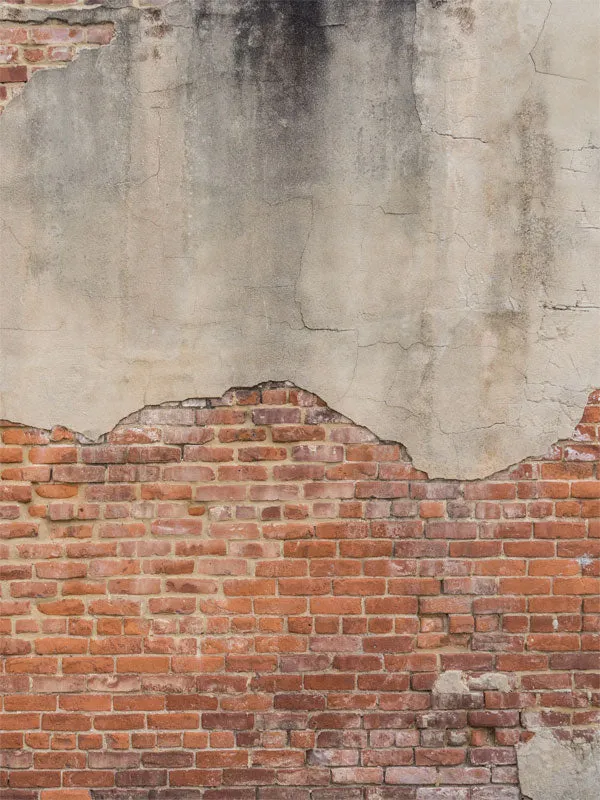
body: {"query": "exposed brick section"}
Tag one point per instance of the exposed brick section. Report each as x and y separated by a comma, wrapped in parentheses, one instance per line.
(27, 47)
(251, 598)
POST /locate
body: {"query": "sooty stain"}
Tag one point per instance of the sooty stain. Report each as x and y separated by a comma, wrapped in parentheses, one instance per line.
(282, 41)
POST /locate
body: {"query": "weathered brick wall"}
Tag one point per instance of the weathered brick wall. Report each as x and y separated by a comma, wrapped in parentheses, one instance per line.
(251, 597)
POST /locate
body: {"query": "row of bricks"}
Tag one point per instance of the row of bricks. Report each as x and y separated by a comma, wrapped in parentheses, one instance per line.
(267, 512)
(181, 611)
(322, 615)
(298, 567)
(343, 587)
(285, 424)
(393, 529)
(559, 701)
(116, 495)
(125, 503)
(178, 482)
(234, 720)
(161, 487)
(195, 440)
(563, 528)
(459, 556)
(262, 758)
(392, 637)
(351, 586)
(294, 605)
(354, 548)
(415, 739)
(14, 36)
(375, 691)
(491, 792)
(315, 624)
(258, 776)
(325, 640)
(270, 663)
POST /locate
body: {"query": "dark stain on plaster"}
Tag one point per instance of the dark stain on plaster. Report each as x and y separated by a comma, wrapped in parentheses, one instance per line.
(461, 10)
(272, 76)
(283, 43)
(465, 17)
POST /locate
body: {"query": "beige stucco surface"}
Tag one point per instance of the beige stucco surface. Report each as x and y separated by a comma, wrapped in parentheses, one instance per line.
(392, 204)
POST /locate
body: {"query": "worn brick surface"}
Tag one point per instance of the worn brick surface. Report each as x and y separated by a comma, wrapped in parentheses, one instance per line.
(252, 598)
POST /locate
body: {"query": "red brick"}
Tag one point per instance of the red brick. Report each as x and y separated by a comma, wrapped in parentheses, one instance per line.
(78, 473)
(411, 775)
(18, 530)
(525, 586)
(247, 606)
(451, 530)
(10, 455)
(577, 586)
(559, 530)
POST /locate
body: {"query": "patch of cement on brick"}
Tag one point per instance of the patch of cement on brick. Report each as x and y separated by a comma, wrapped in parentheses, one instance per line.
(553, 770)
(492, 682)
(451, 682)
(456, 682)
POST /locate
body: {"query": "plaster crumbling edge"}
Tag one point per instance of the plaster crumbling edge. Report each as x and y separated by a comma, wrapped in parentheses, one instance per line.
(210, 401)
(549, 768)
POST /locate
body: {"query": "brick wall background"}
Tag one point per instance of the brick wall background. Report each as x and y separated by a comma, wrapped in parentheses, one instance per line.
(251, 597)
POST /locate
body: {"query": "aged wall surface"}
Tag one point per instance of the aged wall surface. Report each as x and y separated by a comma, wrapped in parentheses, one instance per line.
(251, 598)
(392, 203)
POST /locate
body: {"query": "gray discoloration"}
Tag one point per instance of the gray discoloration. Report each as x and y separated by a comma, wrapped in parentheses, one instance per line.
(451, 682)
(554, 770)
(359, 197)
(493, 682)
(457, 682)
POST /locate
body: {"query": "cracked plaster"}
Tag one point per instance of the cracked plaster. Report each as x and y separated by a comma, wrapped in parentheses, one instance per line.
(392, 204)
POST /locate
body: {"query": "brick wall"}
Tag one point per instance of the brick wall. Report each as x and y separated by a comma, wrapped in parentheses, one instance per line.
(251, 597)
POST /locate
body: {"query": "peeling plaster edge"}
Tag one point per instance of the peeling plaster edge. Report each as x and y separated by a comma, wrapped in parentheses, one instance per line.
(90, 16)
(197, 401)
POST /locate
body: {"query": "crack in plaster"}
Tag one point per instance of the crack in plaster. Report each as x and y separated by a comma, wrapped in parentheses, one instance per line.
(470, 299)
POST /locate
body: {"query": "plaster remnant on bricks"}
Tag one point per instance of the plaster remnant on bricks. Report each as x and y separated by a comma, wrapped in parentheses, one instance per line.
(550, 769)
(27, 48)
(341, 194)
(492, 681)
(451, 682)
(457, 682)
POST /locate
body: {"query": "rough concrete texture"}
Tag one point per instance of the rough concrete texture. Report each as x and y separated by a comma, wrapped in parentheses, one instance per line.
(393, 204)
(553, 770)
